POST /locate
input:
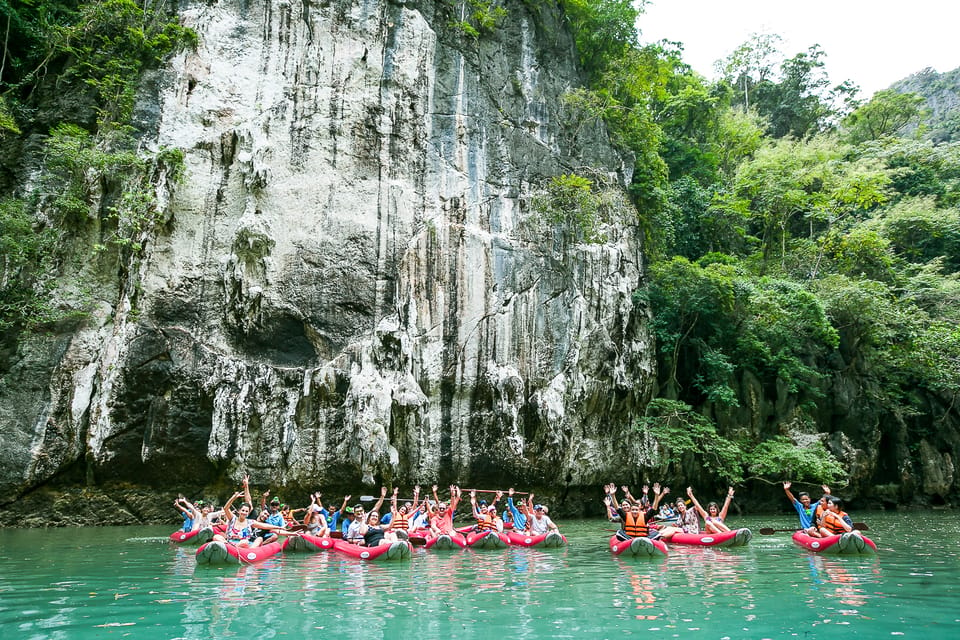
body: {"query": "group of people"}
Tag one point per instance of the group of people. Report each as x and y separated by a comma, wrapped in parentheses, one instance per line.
(245, 527)
(824, 518)
(821, 519)
(635, 516)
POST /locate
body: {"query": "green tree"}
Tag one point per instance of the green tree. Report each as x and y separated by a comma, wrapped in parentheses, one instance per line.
(751, 64)
(887, 113)
(920, 231)
(604, 30)
(805, 187)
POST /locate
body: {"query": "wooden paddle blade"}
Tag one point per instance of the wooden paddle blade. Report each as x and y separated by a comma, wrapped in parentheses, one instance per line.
(417, 541)
(337, 534)
(861, 526)
(766, 531)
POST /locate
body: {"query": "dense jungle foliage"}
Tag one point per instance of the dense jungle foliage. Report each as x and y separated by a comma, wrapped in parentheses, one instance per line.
(794, 230)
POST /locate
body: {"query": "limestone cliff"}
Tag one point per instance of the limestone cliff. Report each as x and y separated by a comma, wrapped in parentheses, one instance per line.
(352, 284)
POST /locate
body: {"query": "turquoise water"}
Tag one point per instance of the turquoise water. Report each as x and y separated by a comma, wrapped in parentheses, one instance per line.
(129, 582)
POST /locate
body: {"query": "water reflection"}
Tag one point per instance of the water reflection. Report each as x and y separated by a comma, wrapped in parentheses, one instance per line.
(842, 579)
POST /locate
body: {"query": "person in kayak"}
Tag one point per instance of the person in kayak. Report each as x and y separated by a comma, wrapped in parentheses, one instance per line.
(181, 505)
(517, 516)
(819, 509)
(688, 522)
(806, 509)
(374, 534)
(441, 522)
(357, 520)
(274, 517)
(240, 529)
(635, 521)
(713, 516)
(486, 516)
(402, 517)
(610, 491)
(316, 518)
(834, 520)
(539, 522)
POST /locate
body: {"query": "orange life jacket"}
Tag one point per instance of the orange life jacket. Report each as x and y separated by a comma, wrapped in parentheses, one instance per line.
(833, 522)
(486, 522)
(399, 521)
(635, 527)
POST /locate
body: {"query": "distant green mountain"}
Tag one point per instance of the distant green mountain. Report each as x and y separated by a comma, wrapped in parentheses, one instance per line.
(942, 92)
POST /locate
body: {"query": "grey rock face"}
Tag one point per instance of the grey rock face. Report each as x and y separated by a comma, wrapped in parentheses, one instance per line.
(354, 284)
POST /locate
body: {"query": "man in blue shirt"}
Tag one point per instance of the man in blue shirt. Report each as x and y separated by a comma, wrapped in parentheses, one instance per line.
(519, 519)
(275, 517)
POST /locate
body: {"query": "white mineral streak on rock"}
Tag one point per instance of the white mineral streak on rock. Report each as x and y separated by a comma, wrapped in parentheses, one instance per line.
(353, 276)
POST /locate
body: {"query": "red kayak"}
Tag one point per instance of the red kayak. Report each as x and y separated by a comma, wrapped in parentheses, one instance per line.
(638, 547)
(487, 540)
(217, 552)
(197, 536)
(308, 543)
(849, 543)
(550, 539)
(393, 551)
(735, 538)
(445, 542)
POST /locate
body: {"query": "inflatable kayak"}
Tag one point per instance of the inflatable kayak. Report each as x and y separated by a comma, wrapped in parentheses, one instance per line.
(197, 536)
(551, 539)
(217, 552)
(383, 552)
(845, 543)
(735, 538)
(307, 543)
(487, 540)
(638, 547)
(445, 542)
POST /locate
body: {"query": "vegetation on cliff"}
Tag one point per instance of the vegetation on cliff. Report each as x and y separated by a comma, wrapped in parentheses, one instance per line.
(799, 236)
(96, 188)
(803, 242)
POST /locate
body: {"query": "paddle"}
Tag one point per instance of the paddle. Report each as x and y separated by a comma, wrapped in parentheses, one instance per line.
(766, 531)
(417, 541)
(516, 493)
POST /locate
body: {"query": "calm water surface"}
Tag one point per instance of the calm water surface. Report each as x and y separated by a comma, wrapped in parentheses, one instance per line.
(130, 582)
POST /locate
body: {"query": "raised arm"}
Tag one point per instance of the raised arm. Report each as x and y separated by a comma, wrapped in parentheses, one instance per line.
(383, 496)
(246, 489)
(786, 489)
(658, 495)
(696, 505)
(455, 496)
(226, 507)
(726, 503)
(393, 501)
(473, 504)
(194, 510)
